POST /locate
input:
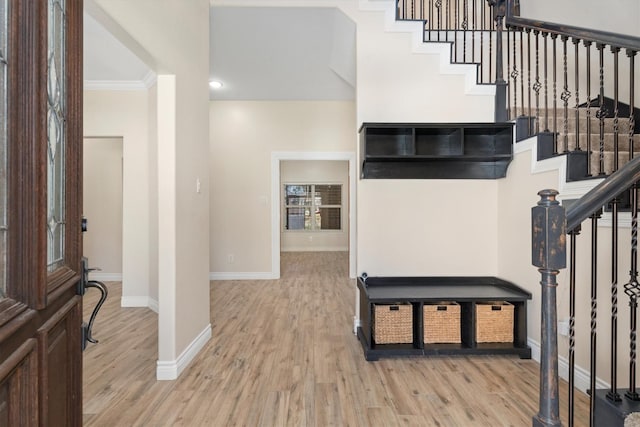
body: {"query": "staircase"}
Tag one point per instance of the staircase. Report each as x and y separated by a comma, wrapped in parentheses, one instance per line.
(470, 31)
(582, 134)
(554, 82)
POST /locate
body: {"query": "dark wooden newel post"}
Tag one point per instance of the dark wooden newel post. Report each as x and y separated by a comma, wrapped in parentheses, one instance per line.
(501, 113)
(548, 246)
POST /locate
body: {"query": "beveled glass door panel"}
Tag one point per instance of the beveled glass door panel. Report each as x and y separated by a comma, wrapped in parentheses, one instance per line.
(3, 145)
(56, 133)
(40, 209)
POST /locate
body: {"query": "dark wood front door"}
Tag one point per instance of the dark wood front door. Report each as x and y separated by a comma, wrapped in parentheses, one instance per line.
(40, 212)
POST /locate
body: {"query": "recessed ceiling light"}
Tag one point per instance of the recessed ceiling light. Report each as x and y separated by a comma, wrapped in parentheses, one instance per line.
(215, 84)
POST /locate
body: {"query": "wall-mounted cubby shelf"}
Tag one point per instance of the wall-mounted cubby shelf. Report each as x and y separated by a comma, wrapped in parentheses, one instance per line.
(419, 291)
(436, 150)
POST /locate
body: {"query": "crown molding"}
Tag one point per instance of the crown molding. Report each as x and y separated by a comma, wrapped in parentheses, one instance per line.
(148, 81)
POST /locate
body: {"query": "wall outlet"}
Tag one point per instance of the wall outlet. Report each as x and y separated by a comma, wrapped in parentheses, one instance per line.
(563, 327)
(231, 259)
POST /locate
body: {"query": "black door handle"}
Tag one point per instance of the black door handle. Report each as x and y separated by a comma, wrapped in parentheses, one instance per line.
(84, 284)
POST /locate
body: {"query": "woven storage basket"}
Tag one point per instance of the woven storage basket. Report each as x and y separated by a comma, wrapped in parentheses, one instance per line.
(441, 322)
(393, 324)
(494, 322)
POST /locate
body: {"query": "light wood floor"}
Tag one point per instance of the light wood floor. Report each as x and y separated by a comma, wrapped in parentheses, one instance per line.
(283, 354)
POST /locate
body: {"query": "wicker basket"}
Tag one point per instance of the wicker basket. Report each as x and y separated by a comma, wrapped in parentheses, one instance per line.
(494, 322)
(441, 322)
(393, 324)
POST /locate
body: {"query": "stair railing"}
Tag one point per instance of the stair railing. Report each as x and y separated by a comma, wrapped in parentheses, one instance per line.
(573, 87)
(468, 25)
(550, 225)
(577, 76)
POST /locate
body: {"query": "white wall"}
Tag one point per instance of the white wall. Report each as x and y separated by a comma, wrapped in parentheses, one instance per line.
(419, 227)
(125, 114)
(174, 37)
(243, 136)
(316, 172)
(153, 194)
(102, 206)
(517, 195)
(619, 16)
(400, 222)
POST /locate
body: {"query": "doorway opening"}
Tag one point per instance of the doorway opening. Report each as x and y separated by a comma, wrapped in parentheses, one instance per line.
(102, 206)
(325, 168)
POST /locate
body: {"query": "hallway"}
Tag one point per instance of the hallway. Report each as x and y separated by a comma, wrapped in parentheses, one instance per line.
(283, 353)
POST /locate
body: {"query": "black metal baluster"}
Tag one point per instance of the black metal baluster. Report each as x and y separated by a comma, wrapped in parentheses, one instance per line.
(447, 15)
(546, 83)
(508, 56)
(529, 115)
(473, 31)
(455, 30)
(572, 324)
(631, 289)
(514, 75)
(613, 392)
(537, 85)
(576, 43)
(616, 122)
(429, 22)
(439, 26)
(491, 33)
(554, 37)
(594, 314)
(565, 96)
(522, 110)
(587, 45)
(482, 33)
(465, 27)
(602, 111)
(631, 54)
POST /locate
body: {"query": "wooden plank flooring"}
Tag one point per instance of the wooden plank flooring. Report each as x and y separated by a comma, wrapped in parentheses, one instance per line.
(283, 354)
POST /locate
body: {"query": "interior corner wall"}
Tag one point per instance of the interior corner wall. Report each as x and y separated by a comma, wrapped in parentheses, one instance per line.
(243, 135)
(517, 195)
(419, 227)
(175, 35)
(124, 114)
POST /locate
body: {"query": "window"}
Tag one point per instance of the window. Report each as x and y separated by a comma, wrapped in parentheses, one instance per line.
(56, 134)
(313, 207)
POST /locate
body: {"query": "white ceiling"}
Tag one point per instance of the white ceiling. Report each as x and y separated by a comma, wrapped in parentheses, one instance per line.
(258, 53)
(107, 61)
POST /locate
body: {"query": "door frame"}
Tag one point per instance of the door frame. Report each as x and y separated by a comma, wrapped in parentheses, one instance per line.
(276, 158)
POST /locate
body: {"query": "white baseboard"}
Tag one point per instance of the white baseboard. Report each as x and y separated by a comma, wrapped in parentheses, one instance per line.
(221, 275)
(105, 277)
(315, 249)
(171, 369)
(582, 379)
(356, 324)
(143, 301)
